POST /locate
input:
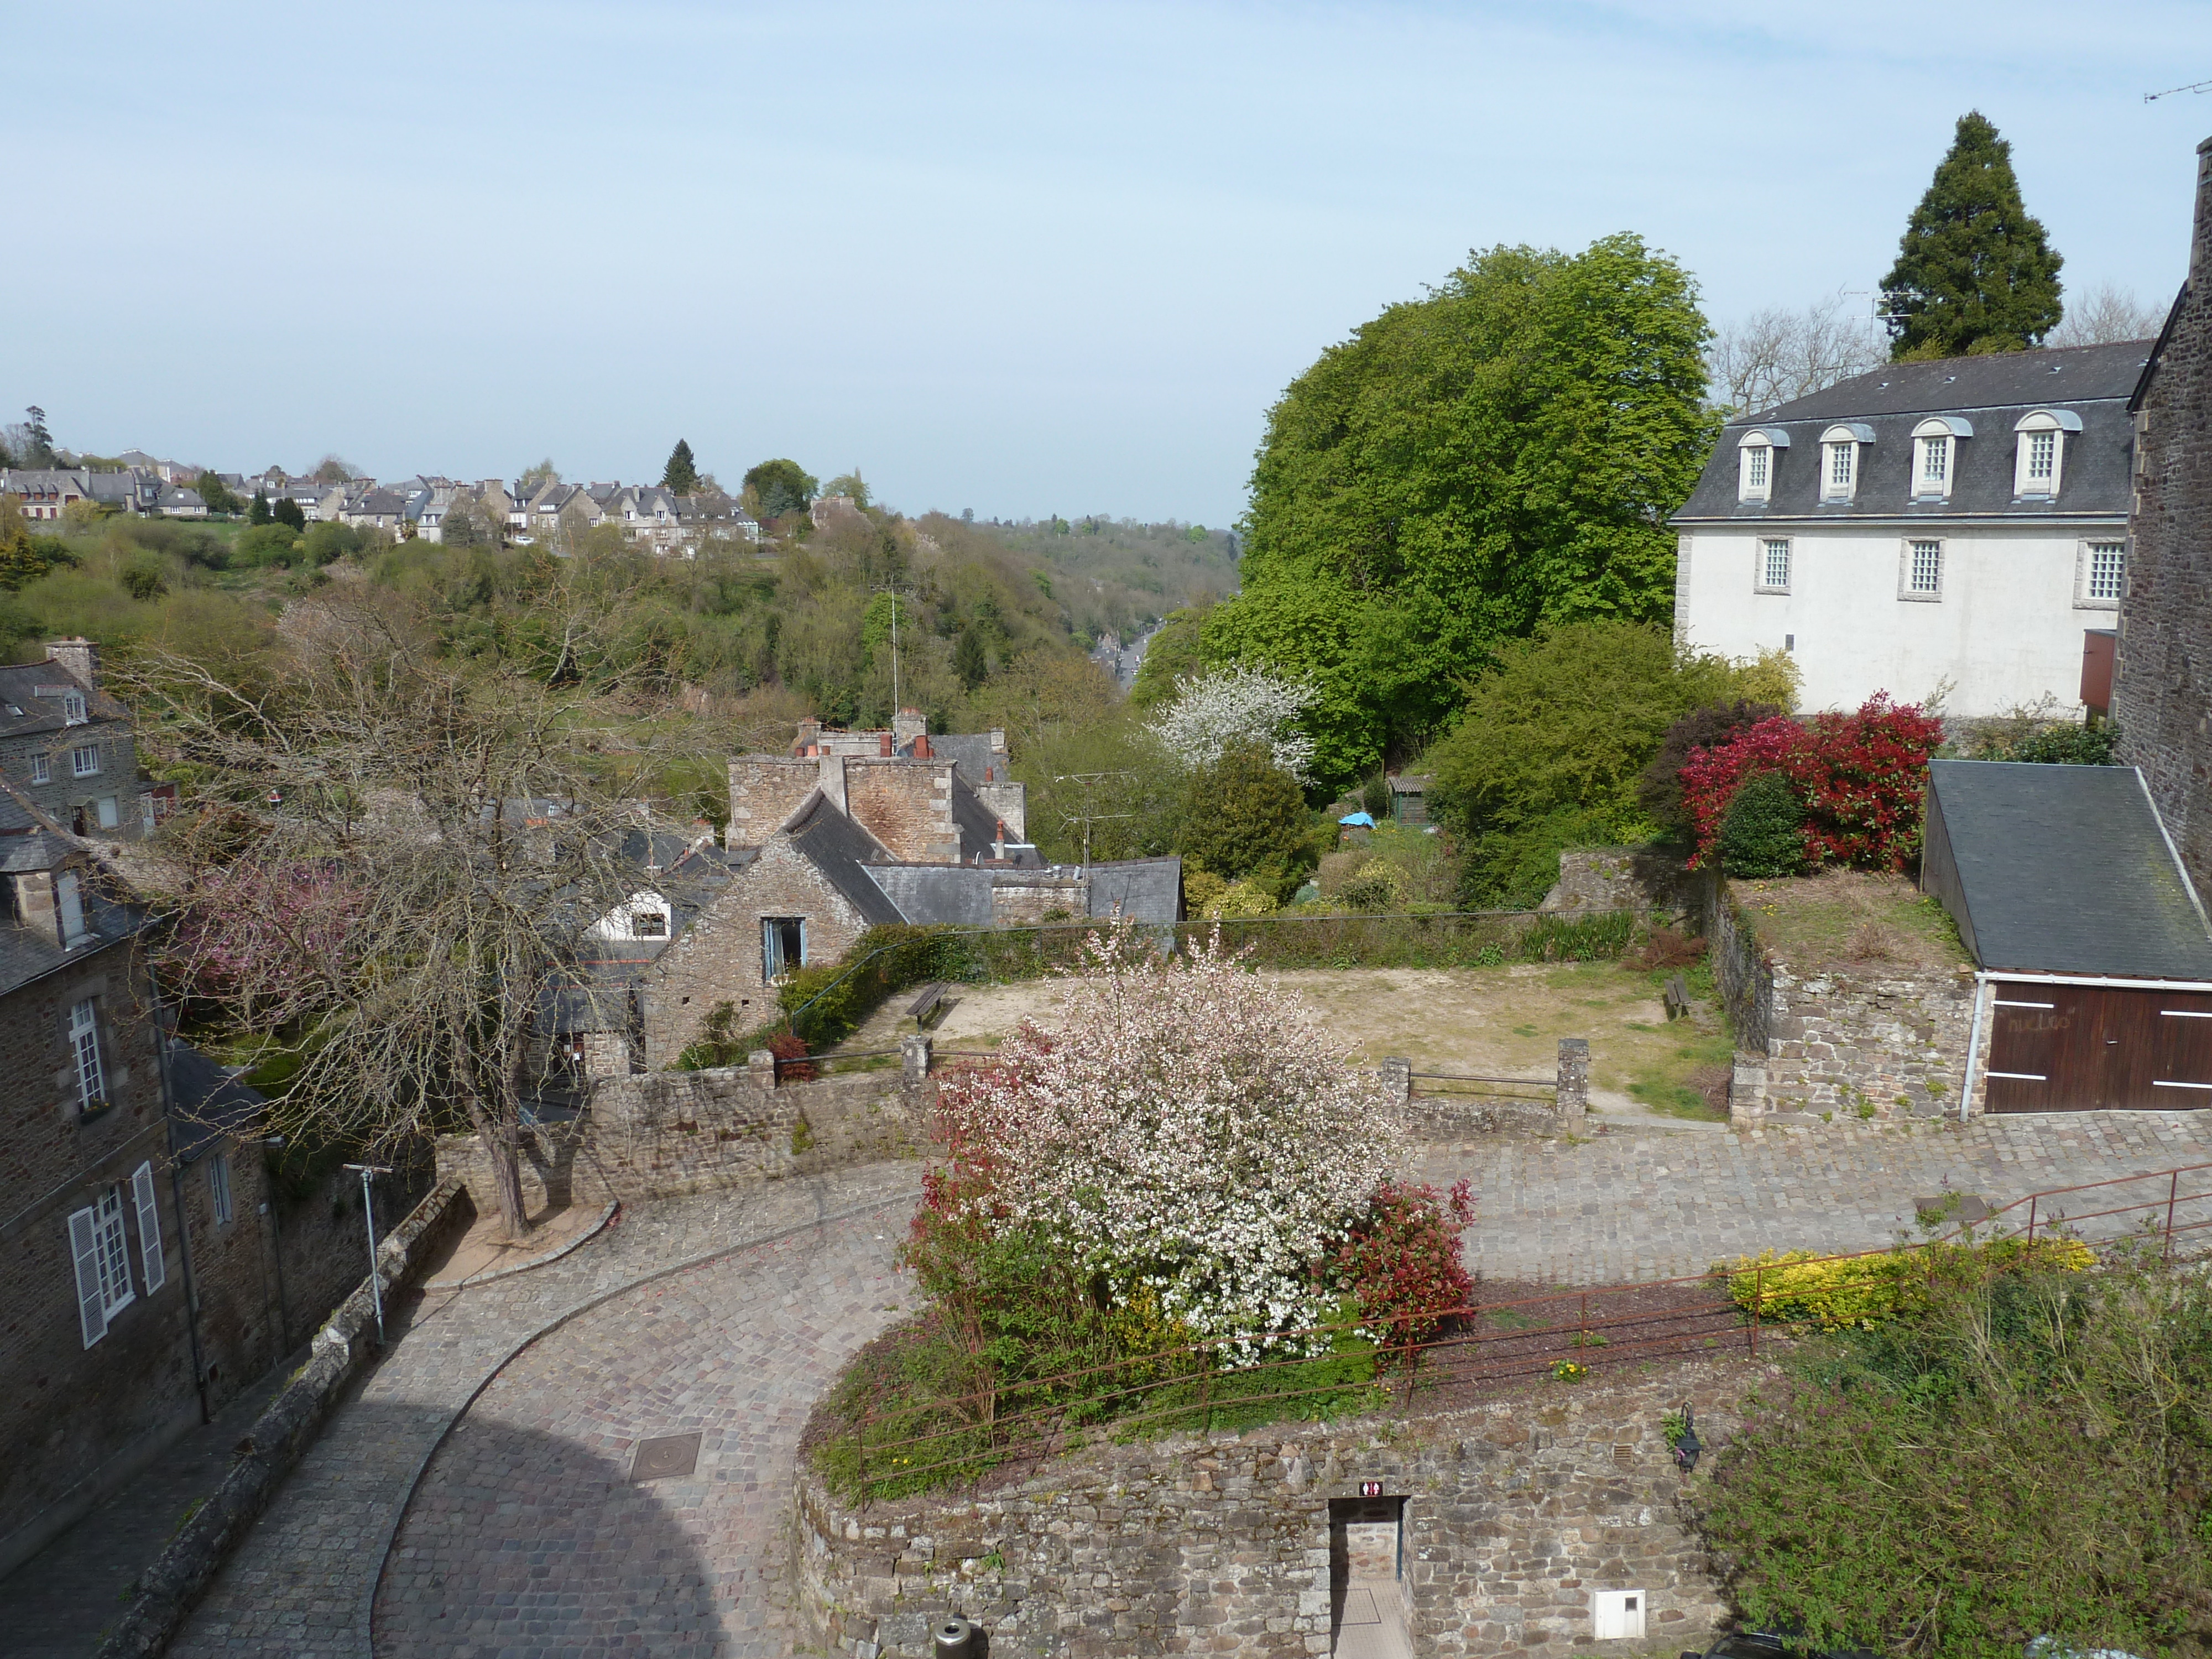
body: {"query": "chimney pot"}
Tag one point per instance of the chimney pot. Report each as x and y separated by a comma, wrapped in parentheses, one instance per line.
(79, 657)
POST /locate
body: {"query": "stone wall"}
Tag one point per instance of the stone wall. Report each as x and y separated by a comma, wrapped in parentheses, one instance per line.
(764, 791)
(1878, 1043)
(1513, 1514)
(660, 1134)
(906, 805)
(2162, 673)
(1594, 878)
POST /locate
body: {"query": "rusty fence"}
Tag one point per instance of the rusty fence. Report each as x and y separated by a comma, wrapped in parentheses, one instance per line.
(1446, 1358)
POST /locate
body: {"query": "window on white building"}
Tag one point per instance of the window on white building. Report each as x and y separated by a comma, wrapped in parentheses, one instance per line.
(84, 1047)
(1839, 465)
(2042, 453)
(1923, 570)
(2103, 572)
(1755, 467)
(1774, 566)
(1933, 475)
(1843, 464)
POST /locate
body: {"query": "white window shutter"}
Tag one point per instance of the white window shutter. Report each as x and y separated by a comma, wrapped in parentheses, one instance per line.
(84, 1245)
(149, 1227)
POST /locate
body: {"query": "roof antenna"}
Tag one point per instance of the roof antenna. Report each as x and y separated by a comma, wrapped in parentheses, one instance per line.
(2194, 86)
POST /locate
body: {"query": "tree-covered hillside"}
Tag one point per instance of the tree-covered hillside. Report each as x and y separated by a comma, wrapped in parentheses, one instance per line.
(1117, 576)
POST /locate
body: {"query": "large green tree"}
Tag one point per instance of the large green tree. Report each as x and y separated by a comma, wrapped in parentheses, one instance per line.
(1246, 816)
(780, 486)
(1974, 271)
(682, 473)
(1466, 468)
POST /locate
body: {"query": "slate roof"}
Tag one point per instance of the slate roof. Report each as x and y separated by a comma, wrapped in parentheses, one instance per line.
(1148, 890)
(19, 690)
(837, 846)
(211, 1102)
(1993, 392)
(958, 895)
(971, 756)
(26, 956)
(2061, 870)
(977, 824)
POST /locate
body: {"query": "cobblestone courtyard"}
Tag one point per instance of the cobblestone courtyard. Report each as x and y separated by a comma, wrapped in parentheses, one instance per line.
(526, 1534)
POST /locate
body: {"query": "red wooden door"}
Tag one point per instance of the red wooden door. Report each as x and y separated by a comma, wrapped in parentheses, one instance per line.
(2085, 1048)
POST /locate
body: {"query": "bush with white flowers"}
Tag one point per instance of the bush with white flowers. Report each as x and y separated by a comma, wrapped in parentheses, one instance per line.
(1216, 712)
(1188, 1134)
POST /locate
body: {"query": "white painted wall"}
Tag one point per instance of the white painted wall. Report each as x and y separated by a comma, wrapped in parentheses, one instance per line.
(2006, 631)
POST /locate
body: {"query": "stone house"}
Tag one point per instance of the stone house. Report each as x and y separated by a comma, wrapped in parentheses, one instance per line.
(139, 1291)
(1963, 520)
(43, 492)
(68, 747)
(2162, 668)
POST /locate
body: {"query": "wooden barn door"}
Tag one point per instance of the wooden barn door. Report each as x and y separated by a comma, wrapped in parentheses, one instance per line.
(2089, 1048)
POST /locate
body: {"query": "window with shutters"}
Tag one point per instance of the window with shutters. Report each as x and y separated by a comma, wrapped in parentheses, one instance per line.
(84, 1045)
(70, 896)
(219, 1186)
(149, 1229)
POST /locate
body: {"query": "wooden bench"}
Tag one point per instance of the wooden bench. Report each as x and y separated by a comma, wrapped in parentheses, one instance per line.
(1677, 997)
(926, 1005)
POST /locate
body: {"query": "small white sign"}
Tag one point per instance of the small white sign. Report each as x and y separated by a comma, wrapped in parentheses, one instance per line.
(1617, 1615)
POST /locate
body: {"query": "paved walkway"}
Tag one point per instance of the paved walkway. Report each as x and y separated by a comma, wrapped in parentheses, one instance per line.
(298, 1586)
(530, 1536)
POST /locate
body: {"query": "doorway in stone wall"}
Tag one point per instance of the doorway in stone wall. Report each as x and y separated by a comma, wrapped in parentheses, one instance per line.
(1367, 1604)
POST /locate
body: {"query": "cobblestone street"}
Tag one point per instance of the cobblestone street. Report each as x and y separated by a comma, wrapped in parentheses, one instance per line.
(528, 1535)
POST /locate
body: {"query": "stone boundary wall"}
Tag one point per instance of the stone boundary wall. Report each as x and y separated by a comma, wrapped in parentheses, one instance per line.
(1598, 878)
(662, 1134)
(1878, 1044)
(1514, 1514)
(281, 1435)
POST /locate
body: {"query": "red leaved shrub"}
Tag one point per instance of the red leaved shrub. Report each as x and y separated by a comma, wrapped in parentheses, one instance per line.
(1863, 777)
(1402, 1267)
(790, 1051)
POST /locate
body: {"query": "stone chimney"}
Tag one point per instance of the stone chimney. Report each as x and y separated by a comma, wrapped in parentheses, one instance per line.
(2200, 244)
(908, 725)
(80, 657)
(833, 780)
(810, 731)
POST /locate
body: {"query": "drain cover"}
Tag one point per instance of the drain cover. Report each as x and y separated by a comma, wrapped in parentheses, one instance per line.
(671, 1455)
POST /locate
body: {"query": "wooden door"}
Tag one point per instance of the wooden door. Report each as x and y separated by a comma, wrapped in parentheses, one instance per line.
(2181, 1049)
(2092, 1047)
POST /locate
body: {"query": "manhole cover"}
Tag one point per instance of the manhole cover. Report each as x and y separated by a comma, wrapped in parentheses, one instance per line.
(671, 1455)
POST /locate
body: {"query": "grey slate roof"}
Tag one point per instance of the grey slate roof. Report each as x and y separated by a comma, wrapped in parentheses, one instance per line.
(211, 1102)
(1146, 890)
(837, 846)
(971, 756)
(19, 688)
(955, 894)
(1992, 392)
(2061, 870)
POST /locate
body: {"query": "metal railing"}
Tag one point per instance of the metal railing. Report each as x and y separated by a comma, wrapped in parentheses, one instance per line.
(1444, 1358)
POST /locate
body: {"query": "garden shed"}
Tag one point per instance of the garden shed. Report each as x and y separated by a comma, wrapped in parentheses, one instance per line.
(2094, 989)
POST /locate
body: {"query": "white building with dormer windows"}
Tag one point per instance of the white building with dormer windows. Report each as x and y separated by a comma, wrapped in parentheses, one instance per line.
(1958, 527)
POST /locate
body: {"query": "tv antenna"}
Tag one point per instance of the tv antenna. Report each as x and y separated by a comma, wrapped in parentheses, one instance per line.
(896, 594)
(2194, 86)
(1086, 817)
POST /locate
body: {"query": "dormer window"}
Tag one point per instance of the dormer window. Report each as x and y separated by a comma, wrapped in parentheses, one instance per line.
(1934, 458)
(2042, 452)
(1839, 466)
(649, 924)
(1755, 468)
(72, 712)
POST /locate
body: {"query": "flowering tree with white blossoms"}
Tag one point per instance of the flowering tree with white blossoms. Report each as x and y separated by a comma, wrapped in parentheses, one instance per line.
(1217, 711)
(1188, 1135)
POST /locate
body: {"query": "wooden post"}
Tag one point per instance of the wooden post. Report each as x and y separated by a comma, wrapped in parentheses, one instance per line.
(2031, 1224)
(1758, 1301)
(2172, 1196)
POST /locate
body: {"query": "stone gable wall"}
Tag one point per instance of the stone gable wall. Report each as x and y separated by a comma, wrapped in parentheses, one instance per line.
(2162, 673)
(906, 805)
(717, 958)
(1514, 1514)
(764, 791)
(1024, 897)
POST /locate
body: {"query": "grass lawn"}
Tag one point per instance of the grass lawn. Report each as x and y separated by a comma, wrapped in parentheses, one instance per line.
(1489, 1022)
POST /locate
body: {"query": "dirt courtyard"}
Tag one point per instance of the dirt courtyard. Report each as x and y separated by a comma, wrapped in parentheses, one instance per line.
(1503, 1021)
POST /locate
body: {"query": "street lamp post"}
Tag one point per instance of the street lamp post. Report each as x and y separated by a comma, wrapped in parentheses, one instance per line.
(368, 1173)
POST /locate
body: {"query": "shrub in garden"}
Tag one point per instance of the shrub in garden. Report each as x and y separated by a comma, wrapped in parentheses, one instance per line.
(1833, 1291)
(1763, 833)
(2020, 1455)
(1659, 791)
(1376, 885)
(1187, 1131)
(1248, 818)
(1400, 1265)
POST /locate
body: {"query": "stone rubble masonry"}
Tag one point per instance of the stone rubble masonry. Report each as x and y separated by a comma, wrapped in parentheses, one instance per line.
(1594, 878)
(1882, 1044)
(1010, 804)
(2162, 672)
(906, 805)
(1514, 1514)
(1021, 898)
(341, 1350)
(717, 958)
(764, 791)
(663, 1134)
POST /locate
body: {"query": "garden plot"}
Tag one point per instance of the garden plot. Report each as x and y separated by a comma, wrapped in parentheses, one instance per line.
(1501, 1022)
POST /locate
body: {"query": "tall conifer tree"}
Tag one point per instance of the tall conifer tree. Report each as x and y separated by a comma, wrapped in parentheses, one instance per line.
(682, 474)
(1974, 271)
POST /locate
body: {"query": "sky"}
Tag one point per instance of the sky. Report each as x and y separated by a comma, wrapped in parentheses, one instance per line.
(1021, 259)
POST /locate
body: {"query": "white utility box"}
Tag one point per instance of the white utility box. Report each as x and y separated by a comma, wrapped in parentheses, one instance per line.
(1617, 1615)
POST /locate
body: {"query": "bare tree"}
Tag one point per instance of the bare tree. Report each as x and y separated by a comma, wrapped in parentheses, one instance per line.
(1775, 355)
(393, 864)
(2105, 315)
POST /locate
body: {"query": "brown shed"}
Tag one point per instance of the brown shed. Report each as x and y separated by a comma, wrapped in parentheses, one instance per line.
(2095, 956)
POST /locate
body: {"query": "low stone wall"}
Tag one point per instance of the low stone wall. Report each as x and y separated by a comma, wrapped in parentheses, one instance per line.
(1874, 1045)
(660, 1134)
(1513, 1514)
(281, 1435)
